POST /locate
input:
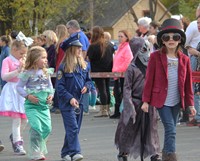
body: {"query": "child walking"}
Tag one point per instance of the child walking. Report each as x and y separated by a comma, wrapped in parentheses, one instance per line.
(35, 85)
(72, 83)
(137, 134)
(11, 103)
(168, 83)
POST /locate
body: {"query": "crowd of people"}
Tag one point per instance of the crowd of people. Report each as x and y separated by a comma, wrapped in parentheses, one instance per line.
(156, 63)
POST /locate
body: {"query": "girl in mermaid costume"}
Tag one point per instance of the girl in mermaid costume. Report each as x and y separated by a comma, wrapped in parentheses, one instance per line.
(35, 85)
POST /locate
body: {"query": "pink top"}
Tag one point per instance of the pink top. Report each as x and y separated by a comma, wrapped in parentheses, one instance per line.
(10, 64)
(122, 58)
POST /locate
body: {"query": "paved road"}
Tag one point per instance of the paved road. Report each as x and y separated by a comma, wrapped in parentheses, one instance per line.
(96, 137)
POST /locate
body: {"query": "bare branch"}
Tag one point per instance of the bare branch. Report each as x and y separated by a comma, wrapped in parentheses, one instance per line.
(168, 9)
(132, 11)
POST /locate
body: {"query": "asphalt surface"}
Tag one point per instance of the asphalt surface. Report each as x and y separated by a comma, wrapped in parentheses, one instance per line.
(97, 140)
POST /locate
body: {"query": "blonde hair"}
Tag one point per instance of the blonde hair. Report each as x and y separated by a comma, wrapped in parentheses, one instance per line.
(51, 37)
(71, 61)
(62, 33)
(33, 55)
(18, 44)
(107, 36)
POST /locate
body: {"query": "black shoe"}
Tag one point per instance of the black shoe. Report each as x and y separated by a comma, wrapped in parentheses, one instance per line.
(156, 158)
(122, 158)
(115, 116)
(184, 120)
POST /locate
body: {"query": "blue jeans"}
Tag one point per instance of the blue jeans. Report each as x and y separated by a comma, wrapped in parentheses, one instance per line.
(193, 62)
(169, 117)
(72, 124)
(197, 107)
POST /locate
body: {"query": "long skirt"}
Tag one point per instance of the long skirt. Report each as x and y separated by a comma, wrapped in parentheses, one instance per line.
(40, 122)
(139, 139)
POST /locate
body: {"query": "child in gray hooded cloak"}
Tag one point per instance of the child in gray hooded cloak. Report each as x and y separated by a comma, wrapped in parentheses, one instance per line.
(136, 133)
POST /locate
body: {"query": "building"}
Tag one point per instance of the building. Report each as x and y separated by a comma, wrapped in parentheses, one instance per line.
(116, 15)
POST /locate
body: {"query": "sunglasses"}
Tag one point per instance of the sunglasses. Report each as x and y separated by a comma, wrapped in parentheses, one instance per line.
(175, 37)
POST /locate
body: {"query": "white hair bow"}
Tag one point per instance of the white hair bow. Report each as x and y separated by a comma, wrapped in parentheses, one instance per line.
(27, 40)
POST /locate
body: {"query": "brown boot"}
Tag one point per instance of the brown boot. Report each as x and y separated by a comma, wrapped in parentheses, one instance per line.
(105, 111)
(165, 157)
(172, 157)
(169, 156)
(100, 113)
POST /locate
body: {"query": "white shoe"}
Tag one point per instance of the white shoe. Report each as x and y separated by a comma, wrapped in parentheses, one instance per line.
(93, 108)
(67, 158)
(85, 113)
(77, 157)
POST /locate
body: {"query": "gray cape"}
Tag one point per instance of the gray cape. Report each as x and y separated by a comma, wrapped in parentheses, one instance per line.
(136, 132)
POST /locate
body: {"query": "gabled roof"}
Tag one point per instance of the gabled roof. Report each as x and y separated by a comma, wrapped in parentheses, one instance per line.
(112, 12)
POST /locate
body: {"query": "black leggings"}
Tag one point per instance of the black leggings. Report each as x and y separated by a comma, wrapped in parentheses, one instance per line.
(103, 87)
(118, 90)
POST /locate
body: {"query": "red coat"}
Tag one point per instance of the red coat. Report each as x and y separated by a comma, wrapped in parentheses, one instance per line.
(156, 82)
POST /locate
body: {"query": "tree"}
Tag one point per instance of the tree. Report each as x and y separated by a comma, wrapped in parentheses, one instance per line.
(185, 7)
(6, 14)
(31, 16)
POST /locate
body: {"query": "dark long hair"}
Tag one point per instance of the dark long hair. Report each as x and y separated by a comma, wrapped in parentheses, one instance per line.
(98, 38)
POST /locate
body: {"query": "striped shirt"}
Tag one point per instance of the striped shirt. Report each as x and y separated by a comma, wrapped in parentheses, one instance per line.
(173, 95)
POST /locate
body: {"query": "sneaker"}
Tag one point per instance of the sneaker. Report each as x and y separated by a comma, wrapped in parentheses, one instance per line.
(85, 113)
(77, 157)
(92, 108)
(19, 150)
(1, 146)
(67, 158)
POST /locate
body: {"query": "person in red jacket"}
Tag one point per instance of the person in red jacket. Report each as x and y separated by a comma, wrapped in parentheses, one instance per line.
(168, 83)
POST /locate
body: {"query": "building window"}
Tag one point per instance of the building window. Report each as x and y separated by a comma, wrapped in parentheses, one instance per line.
(146, 13)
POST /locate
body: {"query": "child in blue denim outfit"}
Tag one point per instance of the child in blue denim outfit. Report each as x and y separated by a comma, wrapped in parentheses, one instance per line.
(73, 81)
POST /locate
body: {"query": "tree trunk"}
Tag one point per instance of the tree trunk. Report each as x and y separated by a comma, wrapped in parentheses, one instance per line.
(91, 13)
(35, 16)
(153, 8)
